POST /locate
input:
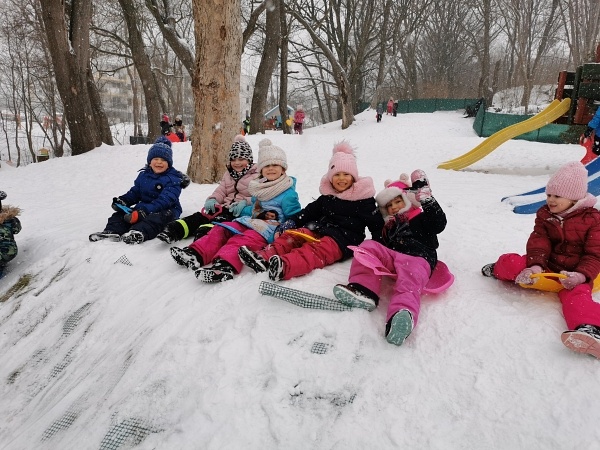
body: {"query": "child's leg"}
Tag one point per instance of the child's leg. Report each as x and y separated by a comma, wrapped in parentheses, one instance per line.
(116, 224)
(579, 307)
(413, 274)
(509, 266)
(229, 251)
(208, 246)
(364, 275)
(153, 224)
(310, 256)
(285, 243)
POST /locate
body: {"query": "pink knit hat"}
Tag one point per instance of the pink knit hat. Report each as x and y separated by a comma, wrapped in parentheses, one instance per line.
(570, 182)
(343, 160)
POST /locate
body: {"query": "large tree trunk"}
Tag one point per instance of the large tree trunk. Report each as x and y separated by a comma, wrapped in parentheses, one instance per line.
(143, 66)
(68, 43)
(216, 86)
(267, 64)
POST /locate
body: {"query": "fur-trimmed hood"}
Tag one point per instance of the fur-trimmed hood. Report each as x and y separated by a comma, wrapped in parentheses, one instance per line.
(9, 212)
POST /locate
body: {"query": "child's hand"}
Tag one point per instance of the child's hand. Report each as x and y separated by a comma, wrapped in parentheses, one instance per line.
(209, 205)
(117, 201)
(525, 276)
(236, 208)
(573, 279)
(134, 216)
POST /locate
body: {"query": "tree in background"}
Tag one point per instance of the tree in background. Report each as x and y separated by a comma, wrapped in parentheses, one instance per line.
(67, 27)
(216, 86)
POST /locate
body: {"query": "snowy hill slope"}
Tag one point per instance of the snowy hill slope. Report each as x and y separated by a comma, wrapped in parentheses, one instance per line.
(114, 346)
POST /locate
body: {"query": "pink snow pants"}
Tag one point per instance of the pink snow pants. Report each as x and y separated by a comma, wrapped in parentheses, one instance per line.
(224, 244)
(412, 272)
(578, 306)
(300, 256)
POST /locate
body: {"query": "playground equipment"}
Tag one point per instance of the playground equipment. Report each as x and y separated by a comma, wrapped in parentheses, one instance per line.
(573, 105)
(555, 110)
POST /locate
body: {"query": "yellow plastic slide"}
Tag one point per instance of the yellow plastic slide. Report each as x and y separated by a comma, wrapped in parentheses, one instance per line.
(552, 112)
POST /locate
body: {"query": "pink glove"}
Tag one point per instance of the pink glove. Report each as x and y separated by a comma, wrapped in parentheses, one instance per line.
(573, 279)
(420, 183)
(525, 276)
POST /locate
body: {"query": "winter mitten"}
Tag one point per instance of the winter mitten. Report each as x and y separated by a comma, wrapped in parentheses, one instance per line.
(185, 180)
(135, 216)
(287, 225)
(418, 179)
(209, 205)
(236, 208)
(573, 279)
(118, 201)
(423, 195)
(2, 195)
(588, 132)
(525, 276)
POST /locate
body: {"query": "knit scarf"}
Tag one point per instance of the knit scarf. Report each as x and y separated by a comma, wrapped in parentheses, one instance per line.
(263, 189)
(237, 175)
(361, 189)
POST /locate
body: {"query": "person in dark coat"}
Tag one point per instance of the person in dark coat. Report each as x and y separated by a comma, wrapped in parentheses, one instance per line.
(336, 220)
(9, 226)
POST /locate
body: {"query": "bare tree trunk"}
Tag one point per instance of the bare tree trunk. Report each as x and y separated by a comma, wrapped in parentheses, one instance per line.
(143, 67)
(267, 64)
(283, 62)
(68, 44)
(216, 86)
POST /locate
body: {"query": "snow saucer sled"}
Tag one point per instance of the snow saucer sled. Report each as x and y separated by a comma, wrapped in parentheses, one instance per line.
(549, 282)
(440, 280)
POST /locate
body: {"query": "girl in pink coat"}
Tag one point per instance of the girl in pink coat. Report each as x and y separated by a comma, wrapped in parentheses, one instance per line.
(390, 105)
(413, 219)
(227, 201)
(565, 239)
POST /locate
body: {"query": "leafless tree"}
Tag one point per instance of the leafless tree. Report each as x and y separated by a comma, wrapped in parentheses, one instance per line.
(67, 30)
(581, 22)
(268, 62)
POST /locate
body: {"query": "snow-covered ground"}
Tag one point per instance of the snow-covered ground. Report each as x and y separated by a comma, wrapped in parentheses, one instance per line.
(115, 346)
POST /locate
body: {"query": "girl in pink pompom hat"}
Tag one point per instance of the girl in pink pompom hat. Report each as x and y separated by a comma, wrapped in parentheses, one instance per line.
(334, 221)
(566, 240)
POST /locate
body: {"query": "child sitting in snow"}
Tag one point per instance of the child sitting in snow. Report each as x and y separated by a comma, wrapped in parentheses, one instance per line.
(231, 196)
(151, 203)
(413, 219)
(9, 226)
(273, 191)
(337, 219)
(565, 239)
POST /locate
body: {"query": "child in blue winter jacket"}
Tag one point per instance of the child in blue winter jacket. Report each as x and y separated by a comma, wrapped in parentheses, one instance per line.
(594, 127)
(9, 226)
(151, 203)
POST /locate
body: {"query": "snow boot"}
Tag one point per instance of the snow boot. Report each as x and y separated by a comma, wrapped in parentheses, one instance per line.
(488, 270)
(356, 296)
(276, 268)
(220, 271)
(173, 232)
(399, 327)
(187, 257)
(106, 234)
(583, 339)
(133, 237)
(253, 260)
